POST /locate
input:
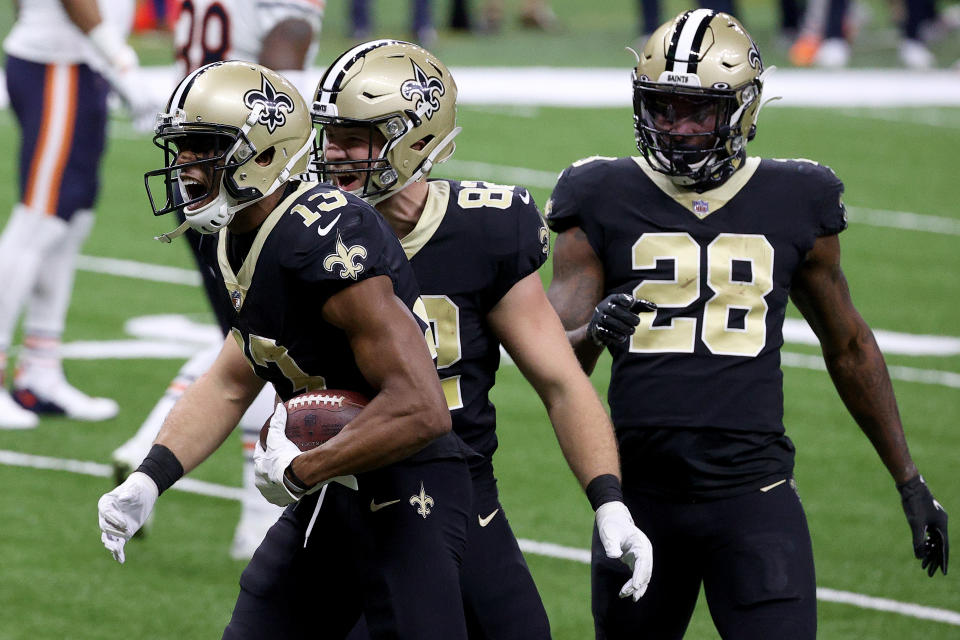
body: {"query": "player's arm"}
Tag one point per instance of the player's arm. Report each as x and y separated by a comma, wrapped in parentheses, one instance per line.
(286, 45)
(198, 423)
(575, 290)
(532, 334)
(409, 409)
(83, 13)
(858, 371)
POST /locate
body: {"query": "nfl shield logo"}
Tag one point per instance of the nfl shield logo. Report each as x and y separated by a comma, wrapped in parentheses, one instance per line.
(235, 298)
(701, 207)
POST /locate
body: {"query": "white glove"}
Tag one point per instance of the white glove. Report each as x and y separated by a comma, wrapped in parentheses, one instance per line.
(270, 464)
(124, 510)
(622, 539)
(120, 66)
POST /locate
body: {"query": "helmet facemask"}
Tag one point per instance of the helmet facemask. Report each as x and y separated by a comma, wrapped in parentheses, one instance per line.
(372, 178)
(687, 133)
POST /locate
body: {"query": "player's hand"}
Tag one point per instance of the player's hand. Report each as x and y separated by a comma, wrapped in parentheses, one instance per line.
(124, 510)
(615, 318)
(928, 522)
(270, 464)
(622, 539)
(118, 63)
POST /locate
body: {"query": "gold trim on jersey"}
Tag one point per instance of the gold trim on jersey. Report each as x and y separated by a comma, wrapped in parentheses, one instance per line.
(701, 204)
(238, 284)
(438, 197)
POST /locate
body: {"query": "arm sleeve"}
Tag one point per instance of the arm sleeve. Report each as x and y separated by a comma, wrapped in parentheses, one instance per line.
(530, 242)
(563, 208)
(829, 204)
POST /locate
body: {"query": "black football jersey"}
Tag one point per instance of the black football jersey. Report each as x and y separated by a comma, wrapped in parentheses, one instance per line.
(473, 242)
(719, 265)
(318, 241)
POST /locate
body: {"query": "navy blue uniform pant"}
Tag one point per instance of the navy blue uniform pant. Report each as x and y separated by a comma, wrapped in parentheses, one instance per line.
(752, 554)
(391, 550)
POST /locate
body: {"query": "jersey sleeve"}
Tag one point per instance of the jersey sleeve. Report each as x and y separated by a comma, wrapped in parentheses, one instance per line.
(563, 207)
(353, 250)
(829, 204)
(270, 13)
(531, 246)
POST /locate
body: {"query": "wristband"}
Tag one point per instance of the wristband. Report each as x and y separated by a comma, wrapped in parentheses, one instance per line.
(161, 466)
(603, 489)
(295, 484)
(912, 486)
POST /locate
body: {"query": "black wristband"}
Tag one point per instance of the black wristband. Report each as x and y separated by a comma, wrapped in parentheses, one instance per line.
(604, 489)
(162, 467)
(295, 483)
(912, 486)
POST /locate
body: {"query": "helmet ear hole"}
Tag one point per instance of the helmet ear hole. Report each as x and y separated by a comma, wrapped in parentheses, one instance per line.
(266, 157)
(421, 144)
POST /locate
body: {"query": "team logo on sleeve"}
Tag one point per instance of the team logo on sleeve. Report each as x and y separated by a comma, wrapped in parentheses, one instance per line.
(545, 241)
(347, 258)
(275, 103)
(423, 89)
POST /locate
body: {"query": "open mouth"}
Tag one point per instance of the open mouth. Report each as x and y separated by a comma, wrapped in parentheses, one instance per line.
(348, 181)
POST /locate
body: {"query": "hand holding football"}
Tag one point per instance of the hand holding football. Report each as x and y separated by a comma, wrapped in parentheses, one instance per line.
(316, 416)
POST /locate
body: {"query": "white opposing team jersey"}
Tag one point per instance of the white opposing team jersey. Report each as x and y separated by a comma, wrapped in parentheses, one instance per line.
(213, 30)
(44, 32)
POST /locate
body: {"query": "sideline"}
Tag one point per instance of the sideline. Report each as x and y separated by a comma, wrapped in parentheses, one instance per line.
(188, 485)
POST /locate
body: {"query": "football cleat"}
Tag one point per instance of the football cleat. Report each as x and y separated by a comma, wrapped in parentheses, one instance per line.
(49, 393)
(13, 416)
(834, 53)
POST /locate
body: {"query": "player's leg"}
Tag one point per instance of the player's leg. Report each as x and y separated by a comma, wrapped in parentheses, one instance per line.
(500, 598)
(63, 182)
(304, 579)
(664, 611)
(417, 515)
(256, 514)
(759, 581)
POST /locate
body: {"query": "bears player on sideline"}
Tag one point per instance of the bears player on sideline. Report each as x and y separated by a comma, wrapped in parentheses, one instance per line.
(323, 297)
(63, 56)
(475, 248)
(280, 36)
(720, 241)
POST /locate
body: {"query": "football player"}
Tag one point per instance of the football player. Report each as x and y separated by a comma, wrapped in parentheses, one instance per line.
(62, 59)
(387, 116)
(281, 36)
(323, 297)
(720, 241)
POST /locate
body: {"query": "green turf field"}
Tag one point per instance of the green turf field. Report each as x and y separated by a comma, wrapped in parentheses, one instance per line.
(58, 582)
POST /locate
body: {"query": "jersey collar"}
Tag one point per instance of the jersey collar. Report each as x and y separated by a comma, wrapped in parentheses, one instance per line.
(433, 211)
(701, 204)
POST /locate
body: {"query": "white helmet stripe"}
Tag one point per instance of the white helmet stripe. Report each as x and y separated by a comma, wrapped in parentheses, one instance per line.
(326, 93)
(688, 41)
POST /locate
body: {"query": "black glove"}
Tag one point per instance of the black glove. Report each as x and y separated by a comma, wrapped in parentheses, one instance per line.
(928, 522)
(615, 318)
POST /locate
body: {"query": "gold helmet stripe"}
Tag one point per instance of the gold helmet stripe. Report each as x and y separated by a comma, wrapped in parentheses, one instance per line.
(684, 51)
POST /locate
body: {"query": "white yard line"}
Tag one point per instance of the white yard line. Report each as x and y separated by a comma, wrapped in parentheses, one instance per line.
(549, 549)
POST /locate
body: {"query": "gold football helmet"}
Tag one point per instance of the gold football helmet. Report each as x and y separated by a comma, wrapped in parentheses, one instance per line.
(696, 97)
(401, 91)
(244, 131)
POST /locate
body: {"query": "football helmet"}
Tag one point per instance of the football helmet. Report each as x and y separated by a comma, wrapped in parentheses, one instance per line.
(696, 97)
(232, 134)
(401, 91)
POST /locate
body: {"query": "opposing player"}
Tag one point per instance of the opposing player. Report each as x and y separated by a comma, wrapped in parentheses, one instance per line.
(719, 241)
(280, 36)
(323, 297)
(63, 56)
(387, 111)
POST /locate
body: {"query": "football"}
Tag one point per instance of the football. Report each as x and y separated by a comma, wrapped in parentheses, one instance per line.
(316, 416)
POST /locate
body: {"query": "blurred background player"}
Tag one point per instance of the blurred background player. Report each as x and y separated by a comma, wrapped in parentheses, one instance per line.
(533, 14)
(475, 249)
(421, 20)
(280, 36)
(720, 241)
(63, 56)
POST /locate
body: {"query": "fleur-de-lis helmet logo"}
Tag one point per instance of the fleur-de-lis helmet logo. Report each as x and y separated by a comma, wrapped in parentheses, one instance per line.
(425, 90)
(275, 103)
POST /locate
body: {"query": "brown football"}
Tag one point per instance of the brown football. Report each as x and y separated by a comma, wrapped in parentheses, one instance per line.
(316, 416)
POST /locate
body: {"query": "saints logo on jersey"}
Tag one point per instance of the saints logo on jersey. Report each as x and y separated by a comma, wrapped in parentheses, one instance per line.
(423, 89)
(274, 103)
(345, 257)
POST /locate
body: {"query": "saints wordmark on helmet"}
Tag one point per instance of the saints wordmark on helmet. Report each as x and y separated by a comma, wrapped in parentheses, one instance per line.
(422, 88)
(274, 103)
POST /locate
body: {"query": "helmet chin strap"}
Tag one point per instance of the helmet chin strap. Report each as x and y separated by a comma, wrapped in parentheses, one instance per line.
(425, 166)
